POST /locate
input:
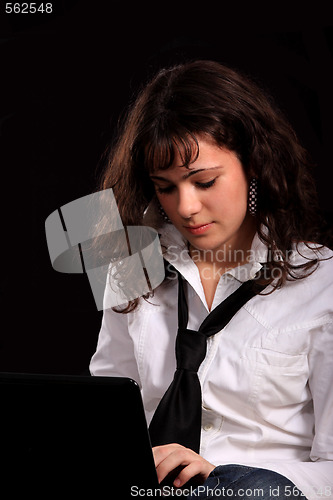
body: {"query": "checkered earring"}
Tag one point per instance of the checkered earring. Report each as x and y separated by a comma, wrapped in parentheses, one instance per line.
(163, 214)
(253, 197)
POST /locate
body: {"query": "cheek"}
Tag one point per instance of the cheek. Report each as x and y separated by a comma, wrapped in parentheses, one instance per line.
(231, 198)
(239, 190)
(242, 197)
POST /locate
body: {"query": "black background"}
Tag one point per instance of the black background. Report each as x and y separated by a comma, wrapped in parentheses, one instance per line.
(65, 79)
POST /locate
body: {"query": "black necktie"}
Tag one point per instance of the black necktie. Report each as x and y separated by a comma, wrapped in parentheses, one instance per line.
(177, 418)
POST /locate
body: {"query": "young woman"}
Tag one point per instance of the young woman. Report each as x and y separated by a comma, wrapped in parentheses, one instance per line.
(206, 158)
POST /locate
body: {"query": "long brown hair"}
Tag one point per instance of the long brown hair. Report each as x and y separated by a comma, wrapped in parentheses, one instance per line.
(205, 97)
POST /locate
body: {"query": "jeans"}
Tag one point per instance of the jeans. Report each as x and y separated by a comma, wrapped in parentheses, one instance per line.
(247, 483)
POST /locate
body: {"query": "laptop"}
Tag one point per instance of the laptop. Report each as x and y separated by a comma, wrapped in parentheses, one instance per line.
(69, 436)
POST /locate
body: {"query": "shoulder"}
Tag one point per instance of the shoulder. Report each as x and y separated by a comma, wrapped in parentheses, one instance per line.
(300, 302)
(310, 296)
(321, 273)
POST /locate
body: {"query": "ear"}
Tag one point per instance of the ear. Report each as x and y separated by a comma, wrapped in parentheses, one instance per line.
(251, 172)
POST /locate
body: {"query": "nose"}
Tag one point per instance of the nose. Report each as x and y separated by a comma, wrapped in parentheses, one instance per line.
(189, 203)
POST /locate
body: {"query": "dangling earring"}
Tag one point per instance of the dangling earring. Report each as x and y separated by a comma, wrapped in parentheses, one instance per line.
(163, 214)
(253, 197)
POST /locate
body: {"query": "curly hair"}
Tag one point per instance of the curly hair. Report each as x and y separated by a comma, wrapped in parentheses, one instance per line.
(205, 97)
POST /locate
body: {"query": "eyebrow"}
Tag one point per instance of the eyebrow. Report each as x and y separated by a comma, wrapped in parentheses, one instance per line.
(187, 175)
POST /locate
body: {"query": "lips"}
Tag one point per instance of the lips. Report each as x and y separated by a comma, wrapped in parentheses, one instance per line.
(199, 229)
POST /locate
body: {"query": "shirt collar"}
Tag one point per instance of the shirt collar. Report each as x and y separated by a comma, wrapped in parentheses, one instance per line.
(254, 260)
(175, 251)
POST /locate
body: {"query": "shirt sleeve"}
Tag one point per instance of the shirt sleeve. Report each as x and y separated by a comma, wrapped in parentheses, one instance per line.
(114, 356)
(321, 386)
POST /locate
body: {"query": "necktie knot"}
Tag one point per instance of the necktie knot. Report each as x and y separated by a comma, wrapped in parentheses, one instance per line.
(191, 348)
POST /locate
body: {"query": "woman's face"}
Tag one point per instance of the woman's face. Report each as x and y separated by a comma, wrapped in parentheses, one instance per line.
(207, 202)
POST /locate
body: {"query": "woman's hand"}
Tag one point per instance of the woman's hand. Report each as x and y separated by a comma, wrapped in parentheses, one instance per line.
(170, 456)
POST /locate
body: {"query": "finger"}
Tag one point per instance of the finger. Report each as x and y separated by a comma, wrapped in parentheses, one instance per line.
(161, 452)
(177, 457)
(195, 468)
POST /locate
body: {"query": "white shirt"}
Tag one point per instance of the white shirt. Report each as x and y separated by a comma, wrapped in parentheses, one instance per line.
(267, 379)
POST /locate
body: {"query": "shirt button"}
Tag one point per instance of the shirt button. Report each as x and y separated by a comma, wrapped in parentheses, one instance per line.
(208, 427)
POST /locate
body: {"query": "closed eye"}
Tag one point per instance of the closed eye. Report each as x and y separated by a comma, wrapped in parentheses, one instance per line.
(165, 190)
(200, 185)
(206, 185)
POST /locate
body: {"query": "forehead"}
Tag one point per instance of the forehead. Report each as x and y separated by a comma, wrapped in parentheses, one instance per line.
(208, 156)
(179, 152)
(166, 152)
